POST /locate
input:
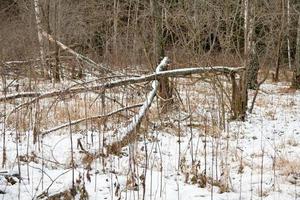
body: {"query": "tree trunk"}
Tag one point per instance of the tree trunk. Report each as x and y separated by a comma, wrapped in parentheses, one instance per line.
(136, 57)
(165, 90)
(250, 45)
(241, 98)
(40, 37)
(296, 71)
(115, 25)
(279, 40)
(56, 71)
(158, 31)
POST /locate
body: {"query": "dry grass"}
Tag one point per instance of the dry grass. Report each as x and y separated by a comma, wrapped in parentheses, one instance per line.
(287, 90)
(54, 113)
(293, 142)
(261, 102)
(287, 166)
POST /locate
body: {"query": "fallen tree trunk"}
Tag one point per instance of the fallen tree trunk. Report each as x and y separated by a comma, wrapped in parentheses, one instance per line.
(150, 77)
(130, 132)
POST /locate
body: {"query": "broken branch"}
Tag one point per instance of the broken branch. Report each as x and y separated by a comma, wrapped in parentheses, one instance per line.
(74, 53)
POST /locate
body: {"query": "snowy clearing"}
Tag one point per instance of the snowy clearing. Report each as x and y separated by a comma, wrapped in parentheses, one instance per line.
(247, 160)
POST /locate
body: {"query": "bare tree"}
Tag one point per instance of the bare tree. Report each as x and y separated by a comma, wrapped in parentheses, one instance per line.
(296, 71)
(279, 40)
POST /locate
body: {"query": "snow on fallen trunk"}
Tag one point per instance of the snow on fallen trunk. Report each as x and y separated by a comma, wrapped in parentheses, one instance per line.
(130, 132)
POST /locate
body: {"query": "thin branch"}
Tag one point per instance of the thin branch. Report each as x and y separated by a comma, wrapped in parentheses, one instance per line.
(89, 118)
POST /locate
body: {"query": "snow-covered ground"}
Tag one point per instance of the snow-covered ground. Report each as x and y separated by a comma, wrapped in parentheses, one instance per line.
(187, 159)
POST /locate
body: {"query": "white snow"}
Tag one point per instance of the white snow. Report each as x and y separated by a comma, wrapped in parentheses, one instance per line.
(270, 136)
